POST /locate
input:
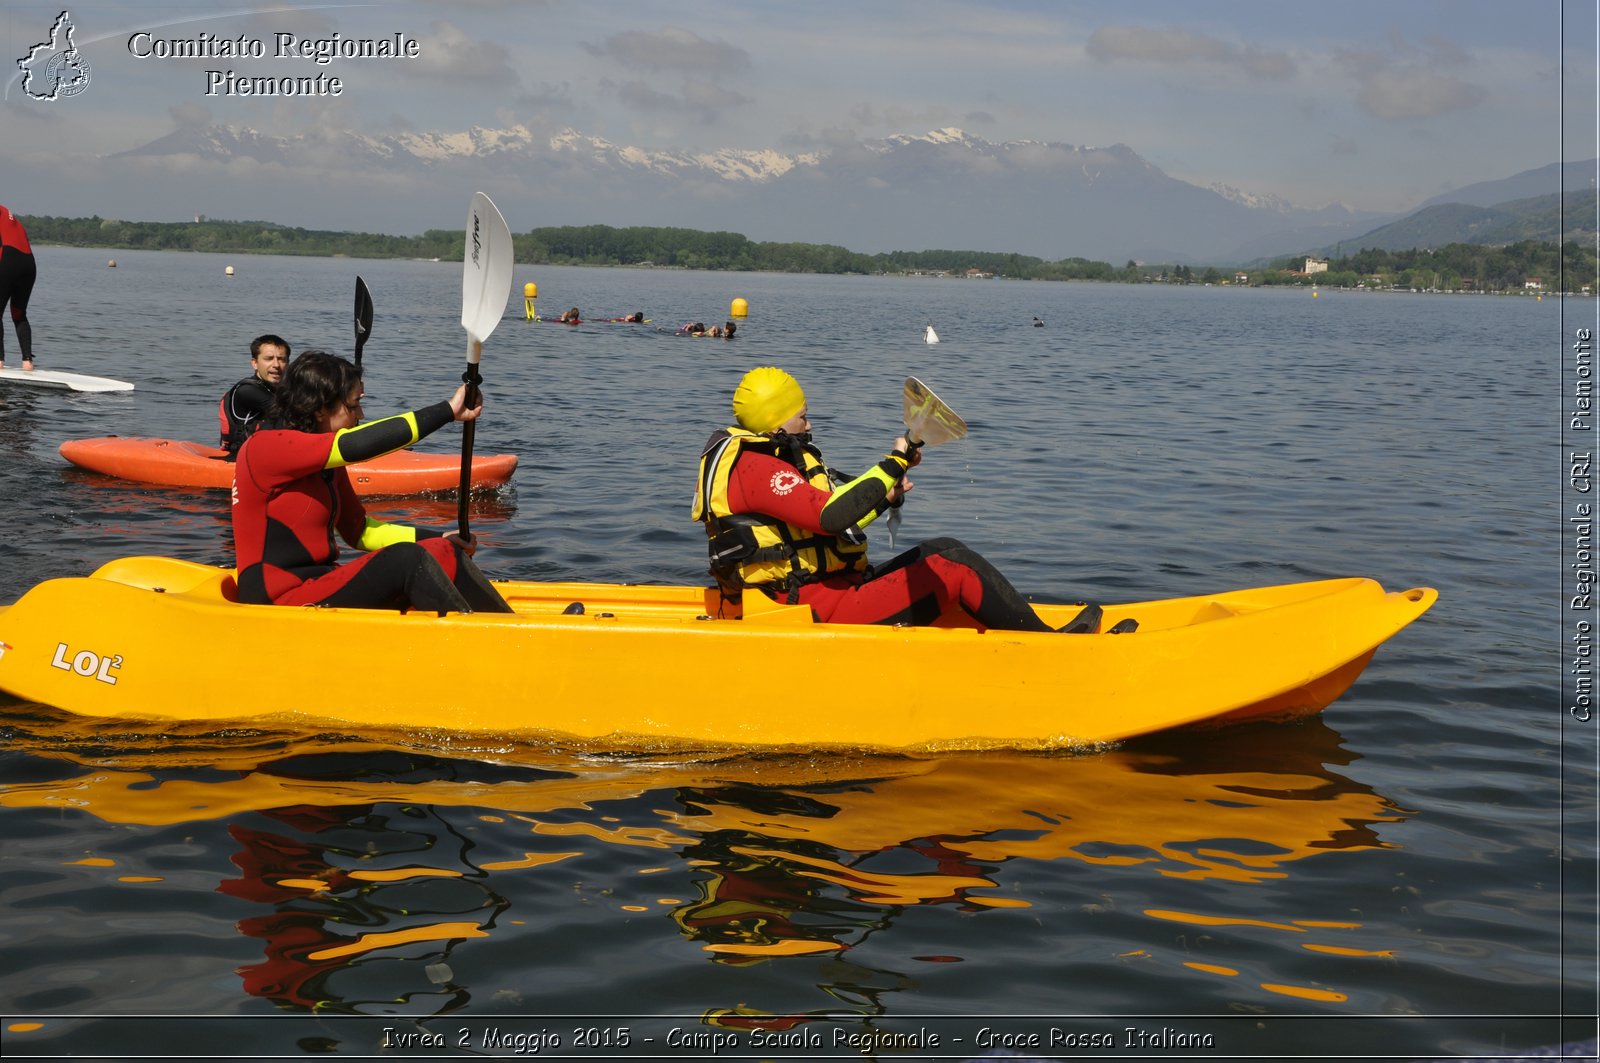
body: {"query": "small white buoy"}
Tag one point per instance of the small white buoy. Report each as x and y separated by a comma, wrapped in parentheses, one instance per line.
(932, 336)
(111, 264)
(228, 272)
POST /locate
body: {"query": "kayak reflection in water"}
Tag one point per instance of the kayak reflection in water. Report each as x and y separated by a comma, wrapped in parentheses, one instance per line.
(781, 521)
(292, 493)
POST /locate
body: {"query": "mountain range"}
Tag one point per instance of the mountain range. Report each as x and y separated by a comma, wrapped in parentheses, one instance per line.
(1570, 215)
(945, 188)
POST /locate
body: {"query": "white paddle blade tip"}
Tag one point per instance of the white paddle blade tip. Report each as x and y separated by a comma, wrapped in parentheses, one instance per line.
(486, 268)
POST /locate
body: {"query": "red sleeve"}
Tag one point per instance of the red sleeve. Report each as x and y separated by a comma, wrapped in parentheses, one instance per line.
(761, 483)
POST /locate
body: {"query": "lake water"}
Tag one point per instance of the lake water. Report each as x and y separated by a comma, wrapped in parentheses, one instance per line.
(1410, 875)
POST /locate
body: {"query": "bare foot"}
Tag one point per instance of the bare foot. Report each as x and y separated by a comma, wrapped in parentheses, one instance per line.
(27, 365)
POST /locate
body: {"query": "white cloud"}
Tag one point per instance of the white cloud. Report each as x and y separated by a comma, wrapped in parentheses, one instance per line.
(1175, 46)
(1401, 95)
(671, 48)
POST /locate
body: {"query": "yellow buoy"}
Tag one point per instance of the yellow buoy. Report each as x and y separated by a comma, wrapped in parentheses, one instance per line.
(740, 308)
(228, 272)
(530, 292)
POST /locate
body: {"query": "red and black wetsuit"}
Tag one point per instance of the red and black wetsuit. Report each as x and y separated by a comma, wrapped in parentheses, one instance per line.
(17, 274)
(914, 588)
(240, 412)
(291, 494)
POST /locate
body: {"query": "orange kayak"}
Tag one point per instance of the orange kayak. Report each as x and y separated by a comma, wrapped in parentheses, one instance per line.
(176, 463)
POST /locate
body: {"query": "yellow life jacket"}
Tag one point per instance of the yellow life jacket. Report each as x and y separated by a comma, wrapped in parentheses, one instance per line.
(753, 549)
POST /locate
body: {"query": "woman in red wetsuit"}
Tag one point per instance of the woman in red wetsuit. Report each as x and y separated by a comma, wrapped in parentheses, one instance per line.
(782, 522)
(291, 495)
(17, 274)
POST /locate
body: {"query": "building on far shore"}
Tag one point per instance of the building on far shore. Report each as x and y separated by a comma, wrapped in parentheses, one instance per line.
(1316, 265)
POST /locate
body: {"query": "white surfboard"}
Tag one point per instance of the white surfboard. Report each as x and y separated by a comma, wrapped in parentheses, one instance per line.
(62, 380)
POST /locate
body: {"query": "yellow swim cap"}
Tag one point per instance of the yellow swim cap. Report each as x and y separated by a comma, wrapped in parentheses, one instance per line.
(766, 398)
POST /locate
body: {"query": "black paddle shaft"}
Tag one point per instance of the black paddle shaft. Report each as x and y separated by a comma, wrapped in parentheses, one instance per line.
(472, 379)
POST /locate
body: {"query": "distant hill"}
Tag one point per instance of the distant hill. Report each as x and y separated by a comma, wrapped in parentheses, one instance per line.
(1545, 218)
(1529, 184)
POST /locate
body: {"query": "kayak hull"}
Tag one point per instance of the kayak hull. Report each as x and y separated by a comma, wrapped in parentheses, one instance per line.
(656, 667)
(61, 380)
(178, 463)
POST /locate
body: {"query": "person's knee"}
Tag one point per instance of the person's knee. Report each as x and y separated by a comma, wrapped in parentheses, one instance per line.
(410, 553)
(951, 549)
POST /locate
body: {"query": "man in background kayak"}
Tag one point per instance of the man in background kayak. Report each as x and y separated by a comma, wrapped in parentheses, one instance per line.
(17, 274)
(783, 523)
(246, 403)
(292, 495)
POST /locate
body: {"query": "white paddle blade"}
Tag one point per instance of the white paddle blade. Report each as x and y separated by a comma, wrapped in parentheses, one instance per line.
(928, 420)
(486, 269)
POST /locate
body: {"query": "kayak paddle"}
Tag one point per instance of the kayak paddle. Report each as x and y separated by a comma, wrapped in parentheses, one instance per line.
(363, 317)
(485, 286)
(929, 422)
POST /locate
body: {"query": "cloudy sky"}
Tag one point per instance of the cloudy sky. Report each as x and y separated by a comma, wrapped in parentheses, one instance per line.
(1374, 103)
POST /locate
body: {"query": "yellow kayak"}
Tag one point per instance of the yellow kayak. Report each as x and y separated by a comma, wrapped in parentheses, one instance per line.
(662, 667)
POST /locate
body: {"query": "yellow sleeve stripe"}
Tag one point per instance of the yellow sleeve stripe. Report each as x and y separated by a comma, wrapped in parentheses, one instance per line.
(377, 535)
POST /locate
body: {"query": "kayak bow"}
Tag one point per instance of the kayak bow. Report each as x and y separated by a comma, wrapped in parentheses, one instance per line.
(630, 668)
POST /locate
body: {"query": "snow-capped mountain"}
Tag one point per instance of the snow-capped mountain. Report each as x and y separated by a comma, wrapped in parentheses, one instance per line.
(945, 188)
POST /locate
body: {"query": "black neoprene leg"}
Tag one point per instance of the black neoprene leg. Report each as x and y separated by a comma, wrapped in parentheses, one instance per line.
(25, 338)
(396, 577)
(475, 587)
(1000, 605)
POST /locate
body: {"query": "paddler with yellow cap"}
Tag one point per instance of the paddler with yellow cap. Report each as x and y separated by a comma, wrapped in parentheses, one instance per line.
(781, 522)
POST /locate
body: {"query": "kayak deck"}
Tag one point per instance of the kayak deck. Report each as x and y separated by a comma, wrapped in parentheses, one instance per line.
(180, 463)
(658, 667)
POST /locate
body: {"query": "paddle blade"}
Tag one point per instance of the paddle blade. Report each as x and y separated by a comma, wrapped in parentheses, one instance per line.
(486, 271)
(363, 316)
(928, 420)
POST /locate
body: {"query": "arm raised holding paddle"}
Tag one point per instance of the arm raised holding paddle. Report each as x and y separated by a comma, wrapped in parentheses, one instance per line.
(781, 522)
(293, 500)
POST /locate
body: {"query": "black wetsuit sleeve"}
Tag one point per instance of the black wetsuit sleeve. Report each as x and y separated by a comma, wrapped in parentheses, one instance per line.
(367, 441)
(862, 497)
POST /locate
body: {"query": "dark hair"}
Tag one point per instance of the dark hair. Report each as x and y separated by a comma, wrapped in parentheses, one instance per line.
(313, 382)
(729, 329)
(262, 341)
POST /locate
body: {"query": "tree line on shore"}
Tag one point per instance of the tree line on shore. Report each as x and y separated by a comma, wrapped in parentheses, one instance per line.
(1454, 267)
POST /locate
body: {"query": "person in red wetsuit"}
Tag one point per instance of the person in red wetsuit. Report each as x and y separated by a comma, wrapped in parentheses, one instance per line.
(782, 522)
(291, 495)
(17, 274)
